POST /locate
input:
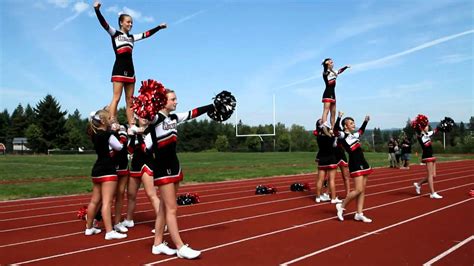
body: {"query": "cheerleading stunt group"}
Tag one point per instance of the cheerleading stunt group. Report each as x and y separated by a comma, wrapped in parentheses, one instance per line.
(151, 136)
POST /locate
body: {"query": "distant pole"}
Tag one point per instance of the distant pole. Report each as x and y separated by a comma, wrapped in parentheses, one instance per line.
(444, 141)
(373, 140)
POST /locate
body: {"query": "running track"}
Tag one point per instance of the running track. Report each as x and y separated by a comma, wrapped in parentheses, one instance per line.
(233, 226)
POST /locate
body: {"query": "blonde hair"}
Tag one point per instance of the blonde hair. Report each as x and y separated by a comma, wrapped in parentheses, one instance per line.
(97, 120)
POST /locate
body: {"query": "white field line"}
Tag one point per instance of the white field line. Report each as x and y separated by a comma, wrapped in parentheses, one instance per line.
(237, 220)
(319, 221)
(372, 233)
(204, 203)
(447, 252)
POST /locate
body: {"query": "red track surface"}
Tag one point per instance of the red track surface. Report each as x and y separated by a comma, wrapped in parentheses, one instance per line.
(233, 226)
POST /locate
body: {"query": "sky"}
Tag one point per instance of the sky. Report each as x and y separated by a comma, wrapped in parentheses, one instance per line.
(406, 57)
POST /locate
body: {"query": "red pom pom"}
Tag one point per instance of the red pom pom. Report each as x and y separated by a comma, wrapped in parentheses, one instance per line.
(152, 98)
(420, 122)
(82, 212)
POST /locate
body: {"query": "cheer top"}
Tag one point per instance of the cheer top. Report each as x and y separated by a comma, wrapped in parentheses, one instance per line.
(105, 143)
(123, 70)
(425, 142)
(329, 77)
(358, 166)
(162, 141)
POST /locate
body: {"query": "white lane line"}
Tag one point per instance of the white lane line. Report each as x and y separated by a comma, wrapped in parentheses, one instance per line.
(373, 232)
(447, 252)
(228, 222)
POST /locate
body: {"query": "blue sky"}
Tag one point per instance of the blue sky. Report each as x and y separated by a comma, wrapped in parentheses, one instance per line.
(407, 57)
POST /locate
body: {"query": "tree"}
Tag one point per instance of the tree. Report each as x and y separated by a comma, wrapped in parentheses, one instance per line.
(75, 128)
(51, 121)
(30, 116)
(222, 143)
(18, 123)
(35, 139)
(4, 125)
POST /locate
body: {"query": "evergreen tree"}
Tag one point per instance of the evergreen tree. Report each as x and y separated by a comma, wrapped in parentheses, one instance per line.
(35, 139)
(51, 121)
(75, 131)
(30, 115)
(4, 126)
(18, 123)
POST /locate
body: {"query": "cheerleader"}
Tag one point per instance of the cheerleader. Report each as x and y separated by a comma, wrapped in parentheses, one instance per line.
(343, 165)
(141, 167)
(329, 95)
(123, 73)
(167, 172)
(104, 175)
(121, 164)
(424, 138)
(327, 164)
(358, 166)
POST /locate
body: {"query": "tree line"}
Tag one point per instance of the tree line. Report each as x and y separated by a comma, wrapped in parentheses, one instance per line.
(47, 127)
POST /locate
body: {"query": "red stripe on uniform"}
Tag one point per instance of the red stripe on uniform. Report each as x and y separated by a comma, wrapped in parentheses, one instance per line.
(194, 113)
(105, 178)
(124, 50)
(355, 146)
(167, 141)
(342, 163)
(123, 79)
(362, 172)
(325, 167)
(328, 100)
(168, 179)
(427, 160)
(123, 172)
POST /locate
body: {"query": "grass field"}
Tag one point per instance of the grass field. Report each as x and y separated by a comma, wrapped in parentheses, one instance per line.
(46, 175)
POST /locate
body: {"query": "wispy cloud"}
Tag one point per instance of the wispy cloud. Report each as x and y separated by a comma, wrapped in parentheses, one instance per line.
(60, 3)
(387, 59)
(78, 8)
(455, 58)
(186, 18)
(135, 14)
(397, 92)
(381, 61)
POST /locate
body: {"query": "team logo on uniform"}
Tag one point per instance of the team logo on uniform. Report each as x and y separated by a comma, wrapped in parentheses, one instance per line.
(168, 171)
(125, 73)
(168, 126)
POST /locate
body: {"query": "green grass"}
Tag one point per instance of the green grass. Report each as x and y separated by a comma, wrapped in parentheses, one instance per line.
(35, 176)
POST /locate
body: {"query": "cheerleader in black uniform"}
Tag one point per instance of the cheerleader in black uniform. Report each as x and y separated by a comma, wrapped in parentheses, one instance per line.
(167, 171)
(358, 166)
(329, 95)
(104, 175)
(121, 164)
(123, 73)
(424, 138)
(327, 164)
(141, 167)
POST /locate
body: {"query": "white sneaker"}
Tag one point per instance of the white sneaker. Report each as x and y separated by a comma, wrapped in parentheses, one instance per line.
(92, 231)
(128, 223)
(120, 228)
(318, 199)
(336, 201)
(325, 197)
(340, 211)
(114, 235)
(436, 196)
(163, 248)
(361, 217)
(185, 252)
(417, 188)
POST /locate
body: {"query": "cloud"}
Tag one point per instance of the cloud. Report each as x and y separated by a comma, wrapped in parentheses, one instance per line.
(78, 8)
(60, 3)
(454, 58)
(186, 18)
(381, 61)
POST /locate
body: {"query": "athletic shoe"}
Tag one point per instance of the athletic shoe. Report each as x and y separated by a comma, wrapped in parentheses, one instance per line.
(336, 200)
(166, 229)
(361, 217)
(120, 228)
(114, 235)
(128, 223)
(417, 188)
(340, 211)
(435, 196)
(153, 231)
(92, 231)
(185, 252)
(325, 197)
(163, 248)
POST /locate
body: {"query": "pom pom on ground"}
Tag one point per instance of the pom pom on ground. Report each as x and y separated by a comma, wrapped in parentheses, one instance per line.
(265, 189)
(300, 187)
